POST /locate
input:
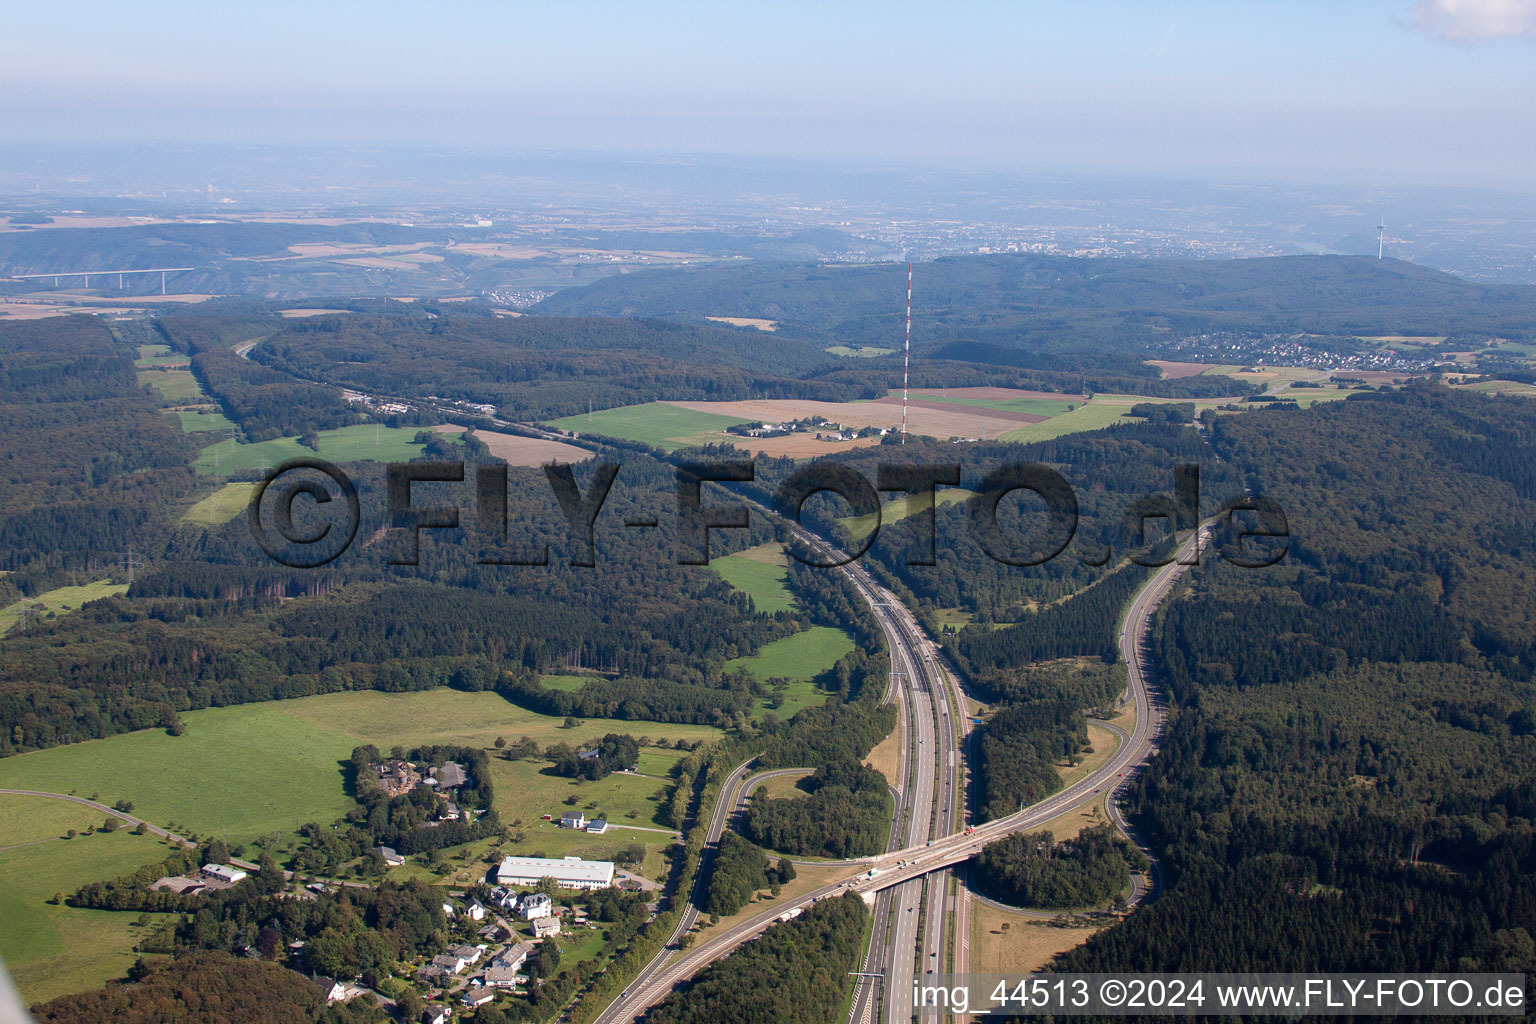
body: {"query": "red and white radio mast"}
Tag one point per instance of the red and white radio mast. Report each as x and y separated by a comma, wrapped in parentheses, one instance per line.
(906, 358)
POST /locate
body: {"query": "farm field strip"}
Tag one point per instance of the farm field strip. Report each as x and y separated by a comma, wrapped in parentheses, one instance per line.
(59, 601)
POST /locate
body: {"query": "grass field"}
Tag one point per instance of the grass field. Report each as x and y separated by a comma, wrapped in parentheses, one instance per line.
(195, 422)
(348, 444)
(761, 572)
(862, 351)
(58, 602)
(886, 757)
(1007, 943)
(798, 658)
(271, 767)
(222, 505)
(901, 508)
(174, 385)
(1092, 416)
(568, 683)
(657, 424)
(1031, 405)
(159, 355)
(52, 950)
(784, 786)
(1501, 387)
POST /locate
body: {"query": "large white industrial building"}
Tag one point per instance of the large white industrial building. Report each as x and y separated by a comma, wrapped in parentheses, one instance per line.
(568, 872)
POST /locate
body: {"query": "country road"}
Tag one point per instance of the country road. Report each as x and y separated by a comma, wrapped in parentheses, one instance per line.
(130, 819)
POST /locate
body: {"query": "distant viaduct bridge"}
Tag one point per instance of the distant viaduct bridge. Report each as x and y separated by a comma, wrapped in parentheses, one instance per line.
(86, 275)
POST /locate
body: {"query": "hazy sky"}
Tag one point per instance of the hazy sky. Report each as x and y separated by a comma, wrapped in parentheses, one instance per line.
(1390, 91)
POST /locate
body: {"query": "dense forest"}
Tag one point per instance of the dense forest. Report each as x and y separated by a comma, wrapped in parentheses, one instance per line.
(211, 621)
(1346, 779)
(1034, 869)
(91, 465)
(206, 987)
(1066, 318)
(847, 813)
(793, 974)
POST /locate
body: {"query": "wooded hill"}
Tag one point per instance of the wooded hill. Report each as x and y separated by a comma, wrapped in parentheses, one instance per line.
(1346, 780)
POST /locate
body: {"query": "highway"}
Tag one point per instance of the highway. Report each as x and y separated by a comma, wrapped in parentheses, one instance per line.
(895, 868)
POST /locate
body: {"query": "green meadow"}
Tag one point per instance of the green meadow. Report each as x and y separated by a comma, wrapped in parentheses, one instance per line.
(261, 768)
(656, 423)
(895, 511)
(196, 421)
(798, 658)
(60, 601)
(1033, 406)
(348, 444)
(222, 505)
(51, 950)
(760, 572)
(862, 351)
(1089, 416)
(175, 386)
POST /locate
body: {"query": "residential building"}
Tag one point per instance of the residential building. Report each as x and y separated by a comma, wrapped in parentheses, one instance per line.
(535, 904)
(477, 995)
(501, 977)
(436, 1015)
(391, 858)
(512, 957)
(469, 954)
(335, 991)
(545, 927)
(475, 911)
(449, 963)
(573, 819)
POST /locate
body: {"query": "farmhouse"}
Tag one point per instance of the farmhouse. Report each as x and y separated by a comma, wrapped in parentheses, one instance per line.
(390, 857)
(568, 872)
(573, 819)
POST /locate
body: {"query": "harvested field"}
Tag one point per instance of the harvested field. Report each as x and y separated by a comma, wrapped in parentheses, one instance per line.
(1174, 371)
(942, 422)
(1377, 376)
(524, 451)
(353, 249)
(300, 313)
(796, 446)
(500, 250)
(989, 394)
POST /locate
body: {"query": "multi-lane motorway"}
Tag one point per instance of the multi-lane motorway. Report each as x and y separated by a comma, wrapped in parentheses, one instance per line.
(914, 655)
